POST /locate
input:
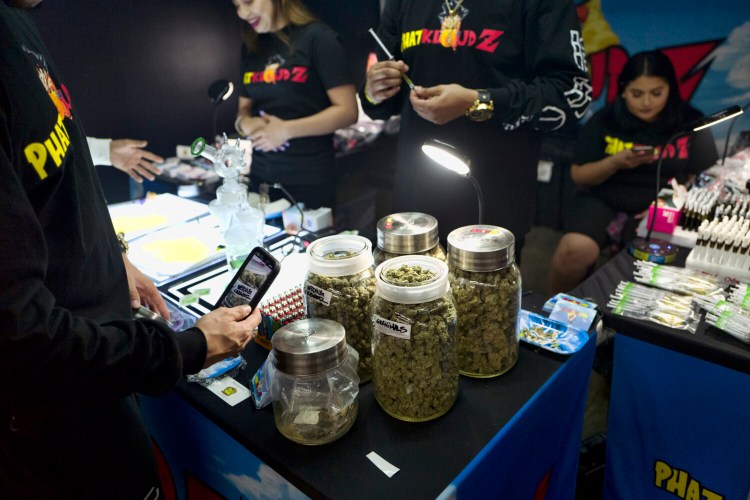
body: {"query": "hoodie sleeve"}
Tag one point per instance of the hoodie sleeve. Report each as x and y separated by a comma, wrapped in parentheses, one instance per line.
(559, 91)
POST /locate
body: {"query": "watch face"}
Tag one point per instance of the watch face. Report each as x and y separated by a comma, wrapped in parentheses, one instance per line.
(480, 113)
(482, 108)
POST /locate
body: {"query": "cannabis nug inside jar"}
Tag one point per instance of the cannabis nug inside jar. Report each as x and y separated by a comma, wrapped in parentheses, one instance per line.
(313, 381)
(339, 286)
(415, 375)
(408, 233)
(487, 286)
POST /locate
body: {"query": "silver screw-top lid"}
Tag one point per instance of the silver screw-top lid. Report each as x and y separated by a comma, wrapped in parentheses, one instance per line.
(481, 248)
(407, 232)
(309, 346)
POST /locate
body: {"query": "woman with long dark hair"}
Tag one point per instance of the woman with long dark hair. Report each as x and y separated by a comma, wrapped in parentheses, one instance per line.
(297, 90)
(614, 166)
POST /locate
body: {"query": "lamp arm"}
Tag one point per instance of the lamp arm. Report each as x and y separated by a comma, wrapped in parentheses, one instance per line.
(663, 148)
(297, 237)
(480, 198)
(214, 120)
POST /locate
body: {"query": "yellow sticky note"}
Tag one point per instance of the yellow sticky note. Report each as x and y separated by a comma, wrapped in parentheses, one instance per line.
(188, 250)
(129, 224)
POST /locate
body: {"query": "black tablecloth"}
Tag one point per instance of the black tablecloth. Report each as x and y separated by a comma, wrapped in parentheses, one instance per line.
(429, 454)
(707, 343)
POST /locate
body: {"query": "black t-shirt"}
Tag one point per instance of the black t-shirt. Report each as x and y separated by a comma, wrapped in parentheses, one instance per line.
(291, 81)
(631, 191)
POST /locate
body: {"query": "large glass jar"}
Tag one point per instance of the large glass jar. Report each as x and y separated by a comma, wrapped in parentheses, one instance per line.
(408, 233)
(340, 285)
(487, 286)
(414, 333)
(313, 381)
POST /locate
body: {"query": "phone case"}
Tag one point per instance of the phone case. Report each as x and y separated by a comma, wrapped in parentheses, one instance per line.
(251, 281)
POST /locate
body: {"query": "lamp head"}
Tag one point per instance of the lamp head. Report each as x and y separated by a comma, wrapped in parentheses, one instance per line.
(220, 91)
(447, 156)
(713, 119)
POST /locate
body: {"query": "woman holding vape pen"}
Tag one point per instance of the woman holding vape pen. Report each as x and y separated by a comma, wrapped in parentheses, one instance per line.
(614, 166)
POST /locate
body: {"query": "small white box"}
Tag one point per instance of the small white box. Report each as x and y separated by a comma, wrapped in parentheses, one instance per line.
(318, 219)
(291, 218)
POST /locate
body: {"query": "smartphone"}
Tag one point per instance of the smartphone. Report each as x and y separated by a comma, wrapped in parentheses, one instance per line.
(251, 281)
(643, 149)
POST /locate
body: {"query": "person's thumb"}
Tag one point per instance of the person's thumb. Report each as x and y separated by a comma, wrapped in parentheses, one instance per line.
(240, 312)
(135, 298)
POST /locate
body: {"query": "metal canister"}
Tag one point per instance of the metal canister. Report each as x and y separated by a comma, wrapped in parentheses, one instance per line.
(314, 382)
(487, 286)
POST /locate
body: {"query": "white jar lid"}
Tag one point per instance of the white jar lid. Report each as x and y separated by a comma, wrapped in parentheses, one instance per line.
(412, 294)
(340, 255)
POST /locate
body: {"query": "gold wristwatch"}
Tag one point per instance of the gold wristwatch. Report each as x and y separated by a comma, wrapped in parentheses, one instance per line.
(123, 244)
(482, 108)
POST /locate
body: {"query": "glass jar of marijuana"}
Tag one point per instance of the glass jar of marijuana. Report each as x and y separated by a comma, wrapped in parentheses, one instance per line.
(313, 381)
(340, 285)
(408, 233)
(414, 333)
(487, 285)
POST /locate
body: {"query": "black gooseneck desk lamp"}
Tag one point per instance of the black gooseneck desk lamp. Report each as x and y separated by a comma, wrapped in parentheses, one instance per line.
(218, 92)
(453, 159)
(656, 250)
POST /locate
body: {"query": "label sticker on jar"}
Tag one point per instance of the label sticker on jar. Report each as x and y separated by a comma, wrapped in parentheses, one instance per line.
(392, 328)
(318, 294)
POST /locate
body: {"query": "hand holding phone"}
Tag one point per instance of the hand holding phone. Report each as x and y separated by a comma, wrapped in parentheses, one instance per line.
(227, 333)
(644, 150)
(251, 281)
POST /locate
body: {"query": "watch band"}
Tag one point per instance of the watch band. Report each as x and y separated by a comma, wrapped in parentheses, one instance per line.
(484, 96)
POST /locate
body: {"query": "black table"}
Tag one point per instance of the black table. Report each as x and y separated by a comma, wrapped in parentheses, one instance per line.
(521, 407)
(707, 343)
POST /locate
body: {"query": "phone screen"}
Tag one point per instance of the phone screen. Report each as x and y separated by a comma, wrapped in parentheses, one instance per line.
(251, 281)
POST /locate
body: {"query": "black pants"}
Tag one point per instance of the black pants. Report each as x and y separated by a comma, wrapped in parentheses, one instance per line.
(97, 452)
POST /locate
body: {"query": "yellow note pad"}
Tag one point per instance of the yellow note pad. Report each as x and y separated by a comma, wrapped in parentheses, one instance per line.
(128, 224)
(180, 250)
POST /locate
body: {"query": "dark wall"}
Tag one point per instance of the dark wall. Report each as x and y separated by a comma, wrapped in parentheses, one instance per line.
(351, 19)
(142, 68)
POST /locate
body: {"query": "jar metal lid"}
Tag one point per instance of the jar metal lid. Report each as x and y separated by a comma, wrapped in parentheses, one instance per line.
(309, 346)
(407, 232)
(481, 248)
(340, 255)
(413, 294)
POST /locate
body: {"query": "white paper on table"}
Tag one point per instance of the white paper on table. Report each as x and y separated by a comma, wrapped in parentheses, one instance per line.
(386, 467)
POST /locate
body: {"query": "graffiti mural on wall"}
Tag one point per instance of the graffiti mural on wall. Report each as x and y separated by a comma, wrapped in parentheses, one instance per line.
(709, 47)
